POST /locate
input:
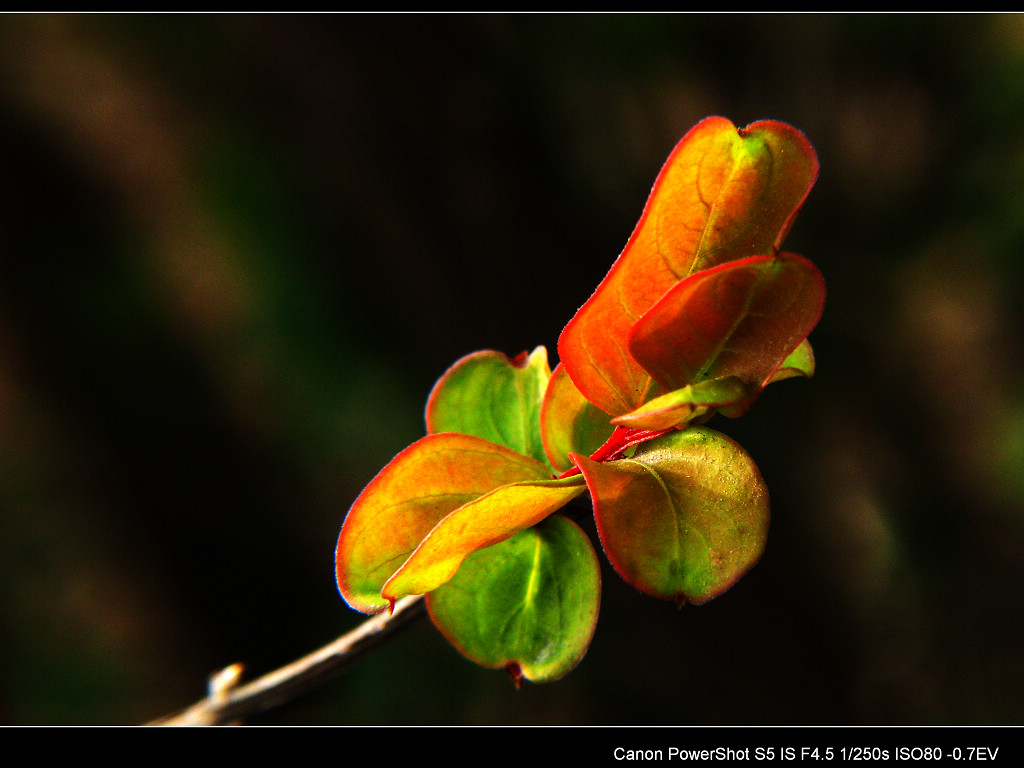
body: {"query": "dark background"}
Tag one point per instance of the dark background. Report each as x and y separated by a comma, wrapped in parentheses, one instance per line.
(236, 251)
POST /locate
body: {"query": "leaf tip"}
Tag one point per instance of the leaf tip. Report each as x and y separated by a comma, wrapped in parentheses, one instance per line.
(515, 671)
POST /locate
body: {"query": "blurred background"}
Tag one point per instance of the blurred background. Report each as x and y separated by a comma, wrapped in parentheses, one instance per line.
(237, 250)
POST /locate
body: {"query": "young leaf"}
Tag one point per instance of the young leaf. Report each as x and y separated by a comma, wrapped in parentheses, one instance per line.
(741, 319)
(488, 395)
(528, 604)
(723, 194)
(570, 422)
(414, 492)
(684, 518)
(682, 406)
(481, 523)
(799, 363)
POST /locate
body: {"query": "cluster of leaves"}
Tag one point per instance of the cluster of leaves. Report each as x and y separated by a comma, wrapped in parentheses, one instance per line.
(699, 313)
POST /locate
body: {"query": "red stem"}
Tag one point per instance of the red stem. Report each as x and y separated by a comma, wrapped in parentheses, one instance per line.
(621, 440)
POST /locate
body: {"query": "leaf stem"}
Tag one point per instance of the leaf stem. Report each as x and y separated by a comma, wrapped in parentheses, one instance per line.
(227, 704)
(621, 440)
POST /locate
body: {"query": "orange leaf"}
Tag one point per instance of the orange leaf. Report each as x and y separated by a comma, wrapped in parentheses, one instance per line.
(739, 319)
(723, 194)
(420, 487)
(478, 524)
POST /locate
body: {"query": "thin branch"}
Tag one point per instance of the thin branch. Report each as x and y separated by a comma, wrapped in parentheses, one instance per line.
(226, 703)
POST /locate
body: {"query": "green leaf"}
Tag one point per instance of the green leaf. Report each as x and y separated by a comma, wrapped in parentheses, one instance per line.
(723, 194)
(682, 519)
(413, 493)
(488, 395)
(740, 319)
(570, 422)
(528, 604)
(481, 523)
(799, 363)
(681, 406)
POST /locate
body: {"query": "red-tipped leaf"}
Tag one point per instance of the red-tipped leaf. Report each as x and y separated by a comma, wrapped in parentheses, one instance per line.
(741, 319)
(422, 485)
(682, 519)
(723, 194)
